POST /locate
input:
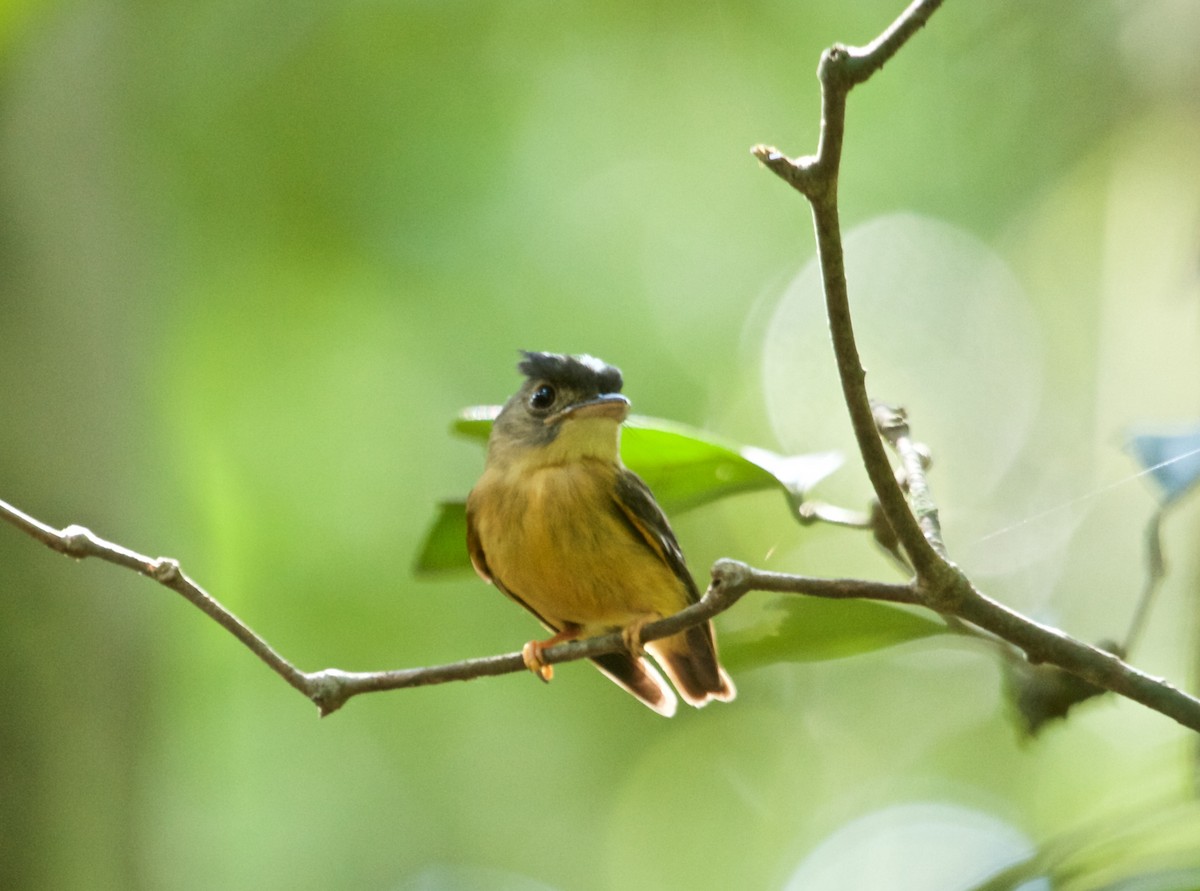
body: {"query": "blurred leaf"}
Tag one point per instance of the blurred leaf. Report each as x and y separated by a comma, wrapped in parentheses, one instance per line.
(812, 629)
(1153, 849)
(1044, 693)
(476, 422)
(1171, 880)
(683, 466)
(445, 546)
(1173, 459)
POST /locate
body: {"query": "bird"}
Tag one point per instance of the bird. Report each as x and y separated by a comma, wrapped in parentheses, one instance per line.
(560, 525)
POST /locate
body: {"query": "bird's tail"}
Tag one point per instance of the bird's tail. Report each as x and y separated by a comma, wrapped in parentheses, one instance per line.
(690, 660)
(641, 679)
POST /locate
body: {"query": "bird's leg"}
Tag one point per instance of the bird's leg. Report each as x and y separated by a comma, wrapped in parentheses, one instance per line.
(631, 634)
(532, 651)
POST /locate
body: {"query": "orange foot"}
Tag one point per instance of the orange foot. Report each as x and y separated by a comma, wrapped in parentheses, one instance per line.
(532, 652)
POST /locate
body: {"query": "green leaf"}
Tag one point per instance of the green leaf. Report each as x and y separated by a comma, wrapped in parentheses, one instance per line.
(811, 629)
(476, 422)
(683, 466)
(686, 467)
(445, 546)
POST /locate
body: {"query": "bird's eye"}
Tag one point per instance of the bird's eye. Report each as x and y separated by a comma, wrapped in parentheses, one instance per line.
(542, 398)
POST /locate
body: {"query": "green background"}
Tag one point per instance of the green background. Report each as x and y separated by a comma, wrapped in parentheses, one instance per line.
(253, 259)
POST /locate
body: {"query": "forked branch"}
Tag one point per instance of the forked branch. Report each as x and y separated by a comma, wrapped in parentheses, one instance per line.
(938, 583)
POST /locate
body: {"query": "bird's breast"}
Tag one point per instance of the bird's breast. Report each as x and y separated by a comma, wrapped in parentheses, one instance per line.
(556, 539)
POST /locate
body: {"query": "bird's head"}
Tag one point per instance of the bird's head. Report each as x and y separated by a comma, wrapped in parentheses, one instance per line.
(568, 408)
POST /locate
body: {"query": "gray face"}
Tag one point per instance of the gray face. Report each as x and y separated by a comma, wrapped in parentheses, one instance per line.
(553, 382)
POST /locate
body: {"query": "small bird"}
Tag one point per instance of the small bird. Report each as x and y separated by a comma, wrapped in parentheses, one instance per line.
(561, 526)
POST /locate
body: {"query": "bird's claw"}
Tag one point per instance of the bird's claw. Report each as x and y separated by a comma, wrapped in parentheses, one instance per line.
(631, 634)
(531, 653)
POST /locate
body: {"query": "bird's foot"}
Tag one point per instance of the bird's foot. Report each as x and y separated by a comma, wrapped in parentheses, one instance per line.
(631, 634)
(531, 653)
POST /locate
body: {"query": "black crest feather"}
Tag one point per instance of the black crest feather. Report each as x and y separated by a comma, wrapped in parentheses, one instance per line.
(583, 373)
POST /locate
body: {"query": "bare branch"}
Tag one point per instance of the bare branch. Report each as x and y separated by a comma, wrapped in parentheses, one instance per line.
(939, 583)
(331, 688)
(79, 542)
(1097, 666)
(862, 63)
(816, 177)
(841, 69)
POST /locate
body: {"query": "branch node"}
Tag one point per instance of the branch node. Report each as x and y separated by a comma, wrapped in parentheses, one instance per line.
(327, 689)
(77, 541)
(801, 173)
(892, 420)
(730, 575)
(165, 570)
(832, 70)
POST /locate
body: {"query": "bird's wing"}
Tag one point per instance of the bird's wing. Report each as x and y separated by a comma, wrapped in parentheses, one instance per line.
(475, 547)
(641, 511)
(690, 657)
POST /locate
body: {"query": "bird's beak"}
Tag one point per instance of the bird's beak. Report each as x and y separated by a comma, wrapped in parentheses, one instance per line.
(606, 405)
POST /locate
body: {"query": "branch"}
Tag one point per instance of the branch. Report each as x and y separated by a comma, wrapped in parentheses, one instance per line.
(1097, 666)
(816, 177)
(331, 688)
(938, 584)
(79, 542)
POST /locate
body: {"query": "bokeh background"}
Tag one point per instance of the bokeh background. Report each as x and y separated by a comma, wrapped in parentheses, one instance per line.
(254, 257)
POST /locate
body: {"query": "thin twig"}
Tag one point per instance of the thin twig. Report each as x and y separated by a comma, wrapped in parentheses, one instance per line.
(892, 423)
(1156, 571)
(80, 542)
(809, 512)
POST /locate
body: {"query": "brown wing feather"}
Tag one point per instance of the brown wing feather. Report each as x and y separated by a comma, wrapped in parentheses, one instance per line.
(636, 502)
(475, 547)
(690, 657)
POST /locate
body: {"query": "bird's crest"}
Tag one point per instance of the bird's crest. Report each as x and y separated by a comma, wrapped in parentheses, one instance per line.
(577, 372)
